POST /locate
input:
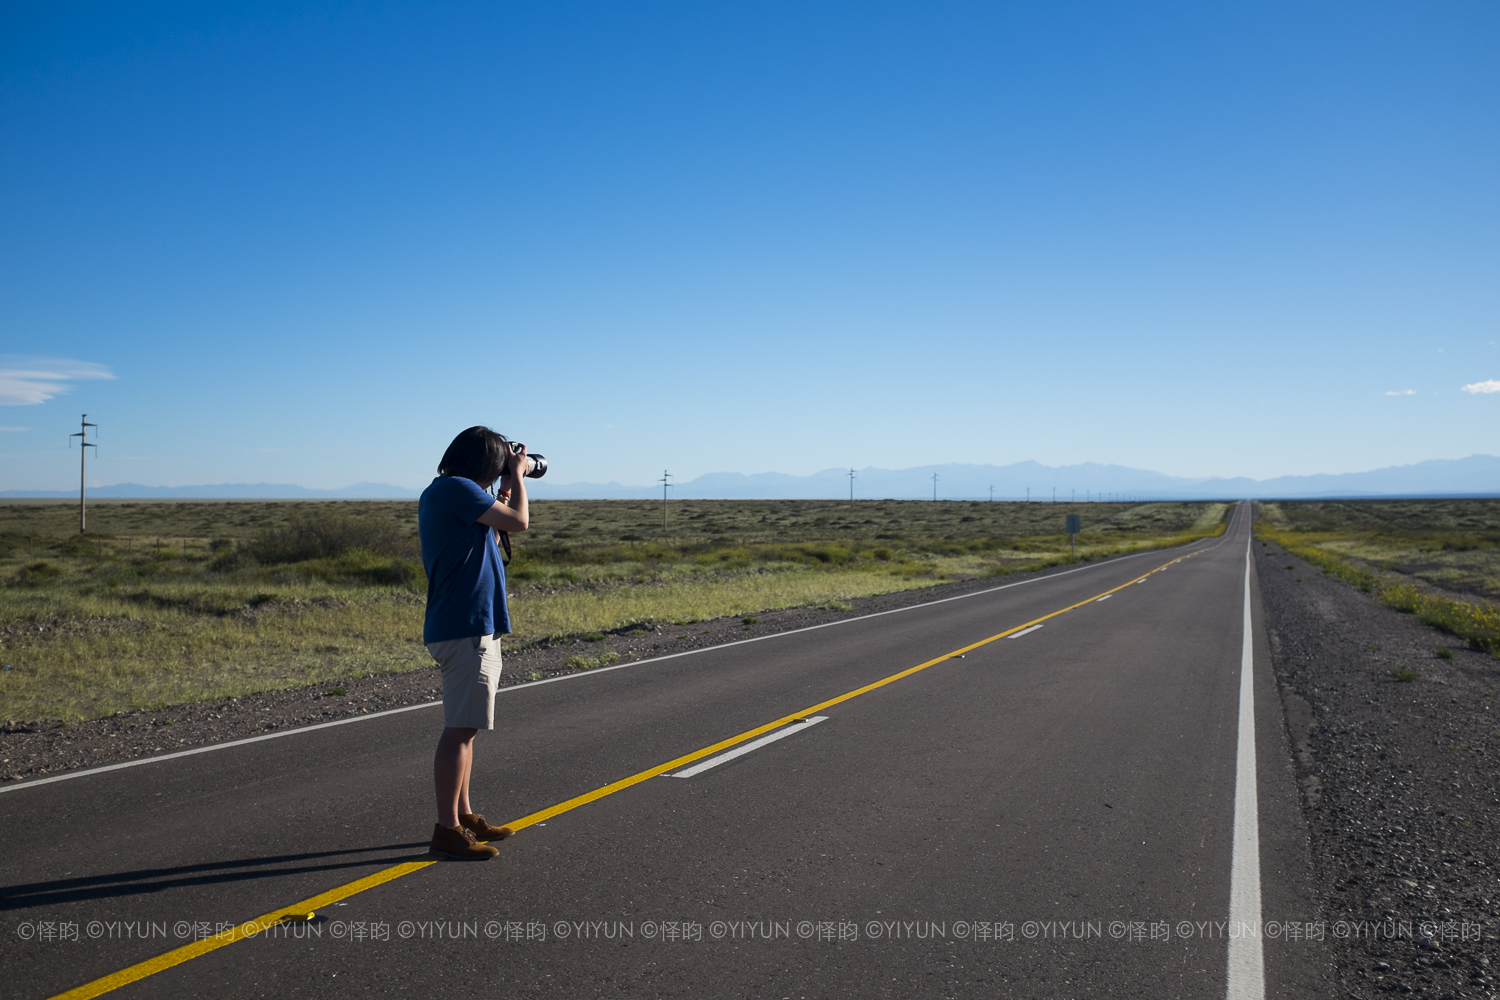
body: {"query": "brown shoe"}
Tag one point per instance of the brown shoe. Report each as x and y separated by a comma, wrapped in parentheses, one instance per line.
(476, 824)
(456, 842)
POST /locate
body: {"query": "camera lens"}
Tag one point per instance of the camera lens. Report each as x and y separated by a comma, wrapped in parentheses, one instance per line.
(538, 462)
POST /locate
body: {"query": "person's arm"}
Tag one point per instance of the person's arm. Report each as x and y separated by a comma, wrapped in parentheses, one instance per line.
(511, 512)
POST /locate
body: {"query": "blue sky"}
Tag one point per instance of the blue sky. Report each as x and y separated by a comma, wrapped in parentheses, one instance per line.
(309, 242)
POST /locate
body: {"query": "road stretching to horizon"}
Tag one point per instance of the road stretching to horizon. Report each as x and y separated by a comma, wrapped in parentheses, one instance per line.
(1051, 813)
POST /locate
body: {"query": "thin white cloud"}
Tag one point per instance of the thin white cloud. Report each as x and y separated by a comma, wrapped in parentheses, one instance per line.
(28, 381)
(1490, 385)
(1402, 392)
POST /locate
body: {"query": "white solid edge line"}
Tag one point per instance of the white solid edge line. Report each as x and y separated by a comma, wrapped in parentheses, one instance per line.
(1247, 967)
(756, 745)
(510, 689)
(213, 746)
(1024, 631)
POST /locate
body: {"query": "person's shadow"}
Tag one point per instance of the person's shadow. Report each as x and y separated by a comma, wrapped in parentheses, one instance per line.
(21, 897)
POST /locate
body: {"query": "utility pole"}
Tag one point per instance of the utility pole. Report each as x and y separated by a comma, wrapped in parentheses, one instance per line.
(1054, 494)
(992, 494)
(851, 487)
(934, 486)
(83, 464)
(665, 475)
(1028, 494)
(1074, 495)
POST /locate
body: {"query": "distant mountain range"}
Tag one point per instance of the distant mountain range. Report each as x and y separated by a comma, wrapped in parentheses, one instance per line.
(1477, 475)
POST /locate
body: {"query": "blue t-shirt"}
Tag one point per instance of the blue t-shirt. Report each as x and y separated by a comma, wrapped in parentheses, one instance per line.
(465, 577)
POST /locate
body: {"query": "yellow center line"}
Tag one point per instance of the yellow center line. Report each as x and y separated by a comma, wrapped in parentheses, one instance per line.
(251, 928)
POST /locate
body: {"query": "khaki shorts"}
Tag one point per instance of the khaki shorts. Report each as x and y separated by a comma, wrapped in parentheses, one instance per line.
(471, 672)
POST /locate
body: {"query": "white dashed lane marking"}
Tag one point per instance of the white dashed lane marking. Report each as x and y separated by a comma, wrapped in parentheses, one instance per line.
(755, 745)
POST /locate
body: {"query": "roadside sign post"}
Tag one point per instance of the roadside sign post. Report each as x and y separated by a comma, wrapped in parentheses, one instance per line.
(1074, 526)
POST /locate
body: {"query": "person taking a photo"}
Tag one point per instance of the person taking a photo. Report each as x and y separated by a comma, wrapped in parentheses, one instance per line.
(459, 524)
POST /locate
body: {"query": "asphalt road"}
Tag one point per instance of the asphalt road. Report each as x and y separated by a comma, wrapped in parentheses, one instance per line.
(1051, 815)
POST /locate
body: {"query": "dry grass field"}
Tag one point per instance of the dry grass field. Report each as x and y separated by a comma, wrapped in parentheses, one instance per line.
(1451, 544)
(1436, 559)
(162, 603)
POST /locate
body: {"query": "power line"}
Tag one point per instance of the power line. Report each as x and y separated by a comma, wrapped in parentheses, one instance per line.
(83, 455)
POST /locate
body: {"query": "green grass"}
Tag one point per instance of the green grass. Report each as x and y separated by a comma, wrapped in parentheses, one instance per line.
(1451, 544)
(1403, 674)
(1337, 538)
(591, 662)
(171, 602)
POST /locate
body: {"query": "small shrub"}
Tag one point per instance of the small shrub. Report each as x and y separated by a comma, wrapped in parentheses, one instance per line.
(750, 621)
(592, 636)
(591, 662)
(1444, 653)
(37, 573)
(1403, 674)
(227, 559)
(337, 693)
(360, 566)
(83, 545)
(323, 532)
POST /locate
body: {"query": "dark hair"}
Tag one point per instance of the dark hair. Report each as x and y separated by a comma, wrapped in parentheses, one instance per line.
(478, 454)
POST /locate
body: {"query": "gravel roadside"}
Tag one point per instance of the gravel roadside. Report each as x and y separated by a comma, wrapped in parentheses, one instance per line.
(1396, 753)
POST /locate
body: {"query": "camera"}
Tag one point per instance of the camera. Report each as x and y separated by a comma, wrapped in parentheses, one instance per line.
(538, 462)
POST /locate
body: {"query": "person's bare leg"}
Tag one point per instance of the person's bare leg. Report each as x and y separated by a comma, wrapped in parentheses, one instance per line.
(463, 789)
(450, 773)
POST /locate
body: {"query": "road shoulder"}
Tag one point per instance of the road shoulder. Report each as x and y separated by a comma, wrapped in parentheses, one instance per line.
(1396, 780)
